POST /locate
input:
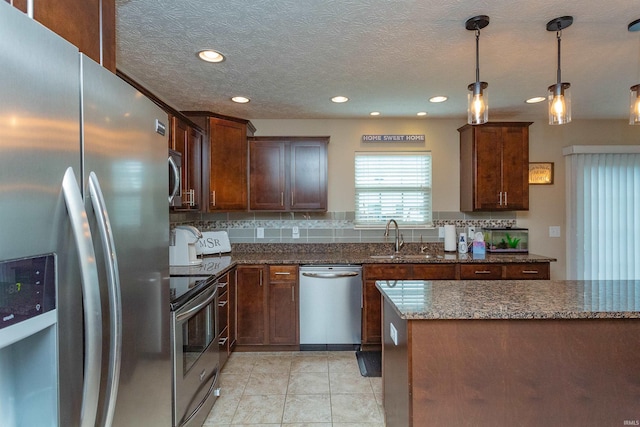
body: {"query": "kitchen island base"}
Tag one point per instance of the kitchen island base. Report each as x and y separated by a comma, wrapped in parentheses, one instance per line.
(506, 372)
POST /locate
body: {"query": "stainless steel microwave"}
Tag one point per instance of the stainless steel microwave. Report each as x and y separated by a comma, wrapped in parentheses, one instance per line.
(175, 176)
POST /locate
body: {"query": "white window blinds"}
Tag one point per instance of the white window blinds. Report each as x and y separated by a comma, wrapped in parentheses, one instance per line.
(603, 212)
(393, 185)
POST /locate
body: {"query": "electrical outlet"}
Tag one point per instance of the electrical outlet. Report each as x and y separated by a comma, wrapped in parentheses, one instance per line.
(471, 232)
(295, 232)
(554, 231)
(260, 232)
(441, 232)
(393, 333)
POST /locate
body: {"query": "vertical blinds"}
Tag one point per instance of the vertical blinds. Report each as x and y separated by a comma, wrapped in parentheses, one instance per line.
(393, 185)
(603, 193)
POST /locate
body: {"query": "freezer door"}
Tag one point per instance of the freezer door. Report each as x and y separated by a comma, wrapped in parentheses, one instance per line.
(39, 140)
(129, 160)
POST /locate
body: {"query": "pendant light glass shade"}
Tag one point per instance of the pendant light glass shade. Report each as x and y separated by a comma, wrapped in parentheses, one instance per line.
(477, 103)
(559, 94)
(559, 103)
(477, 98)
(634, 105)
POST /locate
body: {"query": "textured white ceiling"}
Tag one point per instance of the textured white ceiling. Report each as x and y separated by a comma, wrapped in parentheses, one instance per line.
(291, 56)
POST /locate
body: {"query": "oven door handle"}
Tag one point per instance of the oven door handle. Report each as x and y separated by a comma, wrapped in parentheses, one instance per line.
(181, 317)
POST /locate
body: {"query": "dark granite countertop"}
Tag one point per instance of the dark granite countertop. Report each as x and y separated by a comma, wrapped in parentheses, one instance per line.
(513, 299)
(337, 253)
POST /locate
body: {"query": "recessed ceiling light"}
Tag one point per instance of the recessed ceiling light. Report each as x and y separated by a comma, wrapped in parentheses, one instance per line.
(439, 98)
(339, 99)
(240, 99)
(374, 113)
(422, 113)
(535, 99)
(210, 55)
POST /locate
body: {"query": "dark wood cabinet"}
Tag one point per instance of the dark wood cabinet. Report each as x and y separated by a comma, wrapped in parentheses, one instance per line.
(187, 139)
(507, 271)
(267, 305)
(288, 173)
(283, 304)
(224, 161)
(494, 166)
(251, 304)
(90, 25)
(372, 304)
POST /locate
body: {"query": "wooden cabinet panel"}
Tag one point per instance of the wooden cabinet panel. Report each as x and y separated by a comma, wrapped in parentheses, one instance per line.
(187, 140)
(528, 271)
(267, 175)
(283, 304)
(433, 272)
(90, 25)
(251, 309)
(372, 303)
(224, 161)
(494, 166)
(480, 271)
(288, 173)
(309, 175)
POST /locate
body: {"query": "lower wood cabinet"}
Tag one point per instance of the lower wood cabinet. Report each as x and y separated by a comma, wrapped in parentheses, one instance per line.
(267, 298)
(515, 271)
(372, 308)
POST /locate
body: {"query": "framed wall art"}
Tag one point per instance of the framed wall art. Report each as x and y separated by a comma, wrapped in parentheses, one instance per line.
(541, 173)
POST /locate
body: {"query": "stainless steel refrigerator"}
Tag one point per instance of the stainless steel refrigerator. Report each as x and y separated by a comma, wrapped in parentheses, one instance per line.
(83, 176)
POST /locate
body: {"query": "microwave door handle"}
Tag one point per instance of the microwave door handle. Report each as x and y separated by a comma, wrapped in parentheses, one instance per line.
(115, 300)
(176, 179)
(90, 298)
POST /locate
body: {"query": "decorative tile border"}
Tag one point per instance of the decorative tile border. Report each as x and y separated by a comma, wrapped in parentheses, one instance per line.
(328, 227)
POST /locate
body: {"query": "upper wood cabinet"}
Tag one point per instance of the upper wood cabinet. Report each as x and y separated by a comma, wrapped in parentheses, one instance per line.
(88, 24)
(224, 161)
(494, 166)
(187, 139)
(288, 173)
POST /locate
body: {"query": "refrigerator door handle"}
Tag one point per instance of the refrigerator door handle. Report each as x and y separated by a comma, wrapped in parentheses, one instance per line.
(115, 300)
(176, 179)
(90, 298)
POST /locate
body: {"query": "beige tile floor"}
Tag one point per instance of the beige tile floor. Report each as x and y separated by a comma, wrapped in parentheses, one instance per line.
(296, 389)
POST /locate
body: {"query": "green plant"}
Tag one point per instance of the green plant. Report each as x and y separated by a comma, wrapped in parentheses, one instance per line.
(512, 242)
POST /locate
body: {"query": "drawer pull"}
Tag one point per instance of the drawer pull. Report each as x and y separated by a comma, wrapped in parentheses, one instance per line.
(282, 273)
(222, 303)
(222, 285)
(223, 341)
(483, 272)
(529, 271)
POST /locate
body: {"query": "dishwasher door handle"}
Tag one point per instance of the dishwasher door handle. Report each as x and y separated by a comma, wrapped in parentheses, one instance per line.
(331, 275)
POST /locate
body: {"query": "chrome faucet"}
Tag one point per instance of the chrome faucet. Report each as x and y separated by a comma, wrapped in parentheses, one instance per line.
(399, 239)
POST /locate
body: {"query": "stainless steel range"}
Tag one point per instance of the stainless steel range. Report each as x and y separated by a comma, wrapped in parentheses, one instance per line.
(194, 335)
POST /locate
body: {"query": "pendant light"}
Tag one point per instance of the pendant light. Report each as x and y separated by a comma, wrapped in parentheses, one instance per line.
(477, 105)
(634, 95)
(559, 94)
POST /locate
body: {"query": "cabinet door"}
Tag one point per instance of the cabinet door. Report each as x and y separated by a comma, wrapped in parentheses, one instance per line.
(88, 24)
(233, 309)
(515, 168)
(251, 309)
(227, 165)
(488, 164)
(283, 304)
(528, 271)
(188, 141)
(475, 271)
(308, 175)
(267, 187)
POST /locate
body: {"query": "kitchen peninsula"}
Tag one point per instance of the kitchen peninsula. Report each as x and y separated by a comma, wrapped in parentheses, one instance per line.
(504, 353)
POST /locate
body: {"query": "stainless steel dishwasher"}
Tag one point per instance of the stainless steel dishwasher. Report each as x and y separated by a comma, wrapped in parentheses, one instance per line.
(330, 305)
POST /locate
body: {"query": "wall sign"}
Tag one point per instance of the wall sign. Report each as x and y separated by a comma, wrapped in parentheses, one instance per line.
(392, 138)
(541, 173)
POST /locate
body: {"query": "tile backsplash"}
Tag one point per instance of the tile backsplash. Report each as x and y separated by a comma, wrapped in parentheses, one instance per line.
(328, 227)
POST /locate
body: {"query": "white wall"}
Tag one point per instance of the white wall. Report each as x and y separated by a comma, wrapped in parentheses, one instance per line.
(546, 202)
